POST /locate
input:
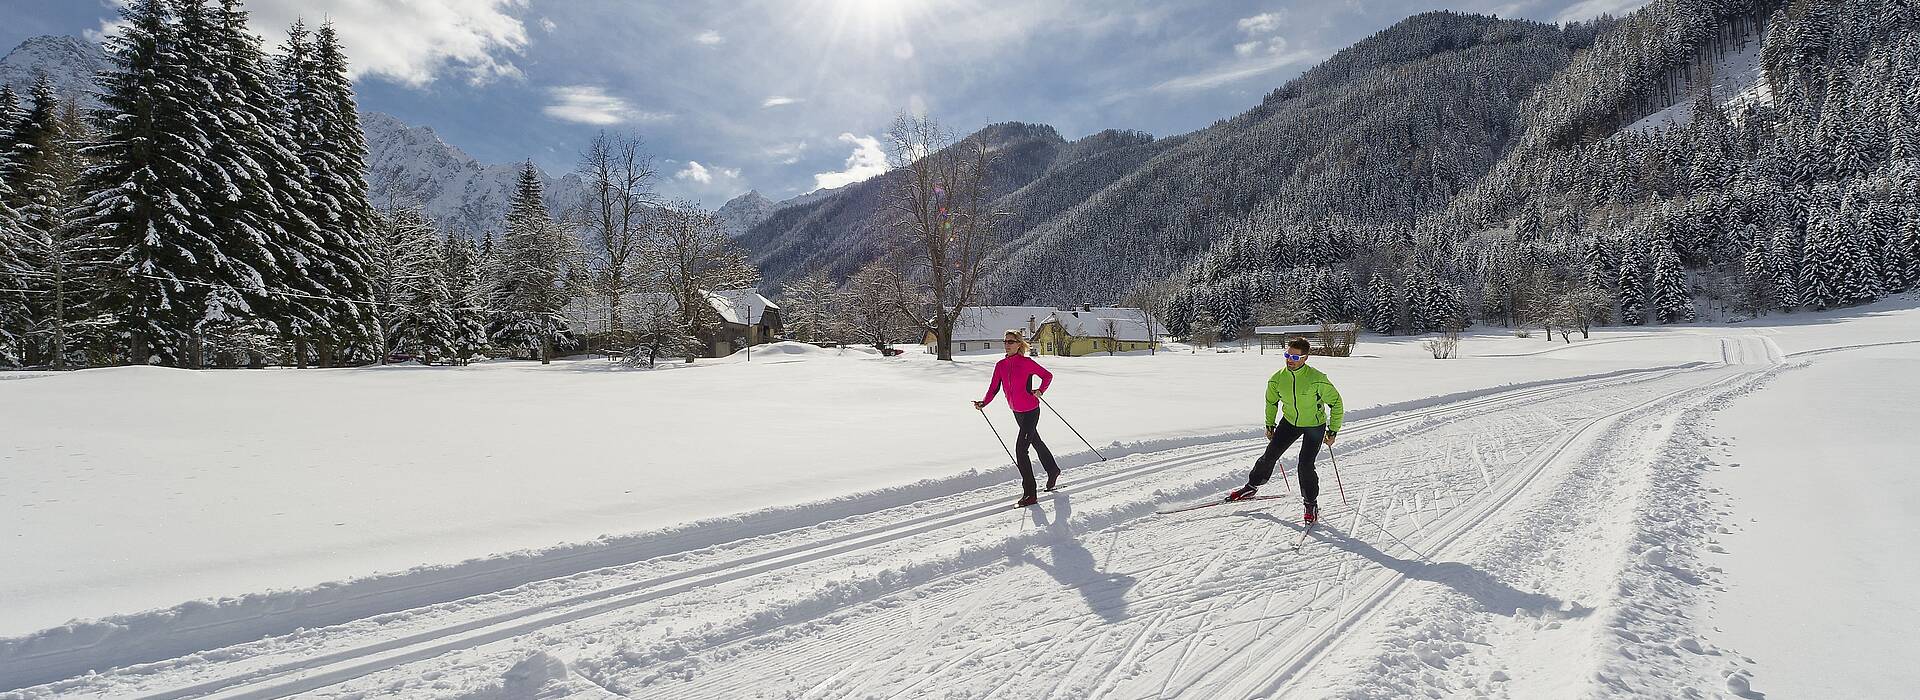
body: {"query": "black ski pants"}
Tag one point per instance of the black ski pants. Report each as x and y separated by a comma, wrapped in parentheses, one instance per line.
(1030, 435)
(1283, 436)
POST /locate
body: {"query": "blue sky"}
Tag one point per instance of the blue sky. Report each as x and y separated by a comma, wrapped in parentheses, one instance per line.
(786, 95)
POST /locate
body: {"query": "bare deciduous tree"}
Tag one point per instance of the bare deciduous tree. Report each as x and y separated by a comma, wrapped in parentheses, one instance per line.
(619, 177)
(813, 309)
(939, 200)
(689, 254)
(880, 307)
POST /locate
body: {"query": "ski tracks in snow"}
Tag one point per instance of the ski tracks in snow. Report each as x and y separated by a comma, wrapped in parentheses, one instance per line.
(1469, 523)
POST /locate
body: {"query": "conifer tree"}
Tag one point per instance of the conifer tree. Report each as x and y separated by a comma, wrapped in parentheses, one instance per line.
(536, 259)
(1632, 288)
(142, 194)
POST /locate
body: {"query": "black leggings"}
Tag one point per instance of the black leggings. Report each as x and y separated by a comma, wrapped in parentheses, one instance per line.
(1030, 435)
(1283, 436)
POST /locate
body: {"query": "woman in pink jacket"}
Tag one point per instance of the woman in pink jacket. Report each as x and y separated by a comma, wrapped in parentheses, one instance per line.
(1015, 372)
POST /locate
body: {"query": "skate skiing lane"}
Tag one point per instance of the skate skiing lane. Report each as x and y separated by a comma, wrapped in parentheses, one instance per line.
(357, 661)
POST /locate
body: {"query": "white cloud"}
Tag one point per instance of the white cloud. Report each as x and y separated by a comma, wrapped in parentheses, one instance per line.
(547, 25)
(709, 38)
(786, 153)
(867, 160)
(778, 100)
(587, 104)
(1273, 46)
(1589, 9)
(1262, 23)
(412, 42)
(704, 175)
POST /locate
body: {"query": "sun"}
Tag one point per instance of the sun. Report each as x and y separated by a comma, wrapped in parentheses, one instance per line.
(875, 21)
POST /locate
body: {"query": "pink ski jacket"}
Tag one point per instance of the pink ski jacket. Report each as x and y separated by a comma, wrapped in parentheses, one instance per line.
(1013, 372)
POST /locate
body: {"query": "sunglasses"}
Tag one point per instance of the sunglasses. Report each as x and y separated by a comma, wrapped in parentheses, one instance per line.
(1010, 342)
(1294, 358)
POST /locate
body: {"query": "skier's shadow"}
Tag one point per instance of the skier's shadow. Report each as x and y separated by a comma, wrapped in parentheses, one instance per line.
(1492, 595)
(1074, 566)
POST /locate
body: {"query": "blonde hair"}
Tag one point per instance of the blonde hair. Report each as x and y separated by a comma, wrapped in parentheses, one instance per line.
(1019, 337)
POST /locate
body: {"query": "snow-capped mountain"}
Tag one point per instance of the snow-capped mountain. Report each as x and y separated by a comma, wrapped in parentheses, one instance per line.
(410, 165)
(72, 62)
(743, 212)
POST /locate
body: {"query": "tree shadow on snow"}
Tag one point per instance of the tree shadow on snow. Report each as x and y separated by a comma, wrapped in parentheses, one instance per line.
(1488, 592)
(1074, 566)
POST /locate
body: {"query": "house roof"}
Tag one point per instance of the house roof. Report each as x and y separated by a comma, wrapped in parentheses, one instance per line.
(740, 305)
(1086, 324)
(1300, 330)
(990, 322)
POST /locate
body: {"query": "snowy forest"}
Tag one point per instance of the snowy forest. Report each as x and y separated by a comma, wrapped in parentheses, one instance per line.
(213, 210)
(1801, 192)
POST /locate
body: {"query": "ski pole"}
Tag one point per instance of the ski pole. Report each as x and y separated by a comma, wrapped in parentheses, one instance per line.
(996, 436)
(1076, 433)
(1336, 475)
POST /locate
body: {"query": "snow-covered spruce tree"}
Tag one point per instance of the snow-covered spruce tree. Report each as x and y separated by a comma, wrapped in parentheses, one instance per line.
(1383, 305)
(1908, 241)
(1823, 266)
(1601, 272)
(29, 202)
(467, 296)
(1423, 301)
(13, 304)
(332, 147)
(1672, 294)
(1632, 288)
(537, 258)
(264, 200)
(62, 260)
(143, 193)
(1783, 267)
(1854, 243)
(407, 284)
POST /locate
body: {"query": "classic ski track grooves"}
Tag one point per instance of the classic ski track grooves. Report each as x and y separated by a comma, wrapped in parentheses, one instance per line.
(1453, 528)
(349, 662)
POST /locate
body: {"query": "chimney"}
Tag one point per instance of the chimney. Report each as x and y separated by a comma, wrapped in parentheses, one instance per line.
(1031, 328)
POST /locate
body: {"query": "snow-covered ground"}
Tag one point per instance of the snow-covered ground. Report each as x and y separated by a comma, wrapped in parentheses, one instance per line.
(1534, 519)
(1820, 561)
(1737, 78)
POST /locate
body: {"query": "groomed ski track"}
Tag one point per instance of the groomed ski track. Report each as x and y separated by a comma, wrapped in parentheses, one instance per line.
(1090, 594)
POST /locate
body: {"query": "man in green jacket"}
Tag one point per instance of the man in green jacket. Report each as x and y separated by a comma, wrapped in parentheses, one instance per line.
(1300, 393)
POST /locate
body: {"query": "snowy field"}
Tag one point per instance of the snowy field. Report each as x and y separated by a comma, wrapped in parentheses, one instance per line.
(1535, 519)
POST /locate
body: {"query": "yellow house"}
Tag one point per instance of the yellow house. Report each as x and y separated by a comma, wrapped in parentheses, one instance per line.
(1066, 331)
(1087, 331)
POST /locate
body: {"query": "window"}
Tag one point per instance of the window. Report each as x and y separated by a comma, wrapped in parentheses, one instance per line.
(963, 347)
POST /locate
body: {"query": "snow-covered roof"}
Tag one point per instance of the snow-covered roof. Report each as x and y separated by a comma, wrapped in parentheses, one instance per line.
(743, 306)
(1300, 330)
(991, 322)
(1085, 324)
